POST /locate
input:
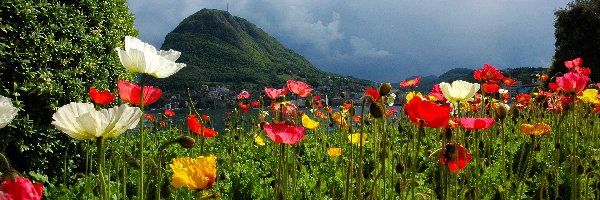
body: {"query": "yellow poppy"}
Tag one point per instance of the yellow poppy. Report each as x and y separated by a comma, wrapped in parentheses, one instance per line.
(590, 96)
(259, 140)
(536, 129)
(195, 174)
(412, 94)
(334, 152)
(355, 138)
(309, 123)
(340, 119)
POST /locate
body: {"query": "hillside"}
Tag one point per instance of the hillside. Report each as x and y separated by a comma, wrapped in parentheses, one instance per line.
(224, 50)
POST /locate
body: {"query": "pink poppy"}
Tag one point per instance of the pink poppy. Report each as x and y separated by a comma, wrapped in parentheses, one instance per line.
(572, 82)
(275, 93)
(436, 92)
(243, 95)
(285, 134)
(298, 87)
(476, 123)
(130, 93)
(21, 188)
(577, 62)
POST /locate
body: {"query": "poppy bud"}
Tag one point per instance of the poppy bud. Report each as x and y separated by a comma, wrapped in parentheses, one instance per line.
(557, 146)
(385, 89)
(376, 109)
(500, 111)
(398, 187)
(343, 95)
(186, 141)
(481, 145)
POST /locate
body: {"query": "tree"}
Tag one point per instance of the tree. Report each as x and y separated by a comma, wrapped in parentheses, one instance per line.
(51, 52)
(578, 35)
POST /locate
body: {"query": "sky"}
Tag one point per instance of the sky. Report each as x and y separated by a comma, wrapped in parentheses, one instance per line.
(384, 40)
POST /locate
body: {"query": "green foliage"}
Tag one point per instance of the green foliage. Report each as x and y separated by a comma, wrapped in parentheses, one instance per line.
(51, 52)
(577, 32)
(222, 49)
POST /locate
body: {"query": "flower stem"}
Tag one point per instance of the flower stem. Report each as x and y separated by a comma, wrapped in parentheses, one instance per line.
(100, 169)
(141, 138)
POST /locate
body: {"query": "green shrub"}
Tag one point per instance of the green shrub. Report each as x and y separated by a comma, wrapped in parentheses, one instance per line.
(51, 52)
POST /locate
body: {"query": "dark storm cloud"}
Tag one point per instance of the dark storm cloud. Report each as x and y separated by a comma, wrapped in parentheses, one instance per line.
(384, 40)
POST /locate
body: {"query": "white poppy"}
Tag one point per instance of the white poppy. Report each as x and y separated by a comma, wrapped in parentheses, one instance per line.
(502, 91)
(459, 90)
(7, 111)
(391, 98)
(142, 57)
(81, 121)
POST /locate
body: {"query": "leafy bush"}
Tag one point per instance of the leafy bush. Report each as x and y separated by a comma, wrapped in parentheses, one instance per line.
(51, 52)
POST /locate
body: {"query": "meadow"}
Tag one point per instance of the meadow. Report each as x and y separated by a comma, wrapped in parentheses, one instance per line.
(460, 141)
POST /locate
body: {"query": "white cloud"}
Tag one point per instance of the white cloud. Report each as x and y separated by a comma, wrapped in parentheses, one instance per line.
(363, 47)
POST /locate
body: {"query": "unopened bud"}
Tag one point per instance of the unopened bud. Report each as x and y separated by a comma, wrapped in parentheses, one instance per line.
(385, 89)
(501, 110)
(343, 95)
(186, 141)
(376, 110)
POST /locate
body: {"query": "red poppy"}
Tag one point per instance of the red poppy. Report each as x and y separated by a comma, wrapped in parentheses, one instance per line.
(488, 74)
(285, 134)
(195, 126)
(255, 103)
(455, 156)
(491, 88)
(553, 86)
(508, 82)
(101, 97)
(243, 95)
(162, 124)
(317, 98)
(275, 93)
(505, 96)
(347, 106)
(205, 117)
(298, 87)
(523, 98)
(150, 117)
(244, 107)
(583, 70)
(410, 83)
(543, 77)
(356, 118)
(373, 93)
(130, 93)
(597, 108)
(428, 113)
(572, 82)
(21, 188)
(476, 123)
(169, 112)
(577, 62)
(436, 92)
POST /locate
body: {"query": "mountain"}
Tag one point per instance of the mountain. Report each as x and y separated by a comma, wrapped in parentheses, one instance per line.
(224, 50)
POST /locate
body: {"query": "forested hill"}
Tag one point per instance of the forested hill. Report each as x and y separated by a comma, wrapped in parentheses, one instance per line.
(224, 50)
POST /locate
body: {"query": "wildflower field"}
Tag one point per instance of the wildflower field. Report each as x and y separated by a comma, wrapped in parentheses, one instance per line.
(460, 141)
